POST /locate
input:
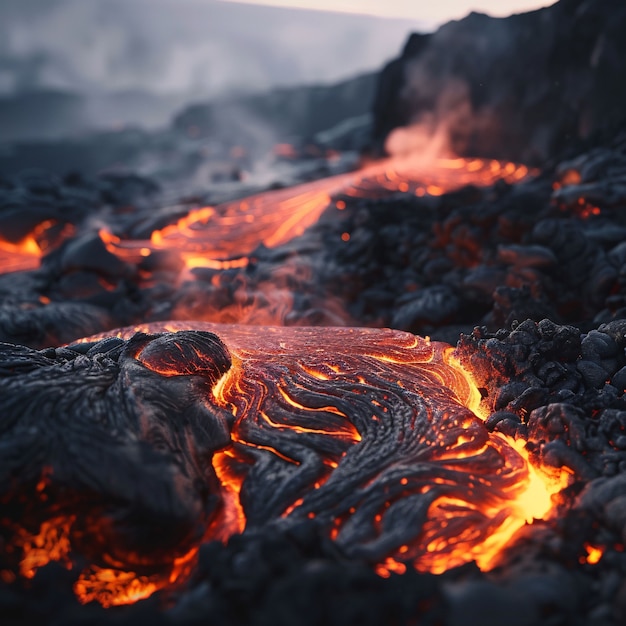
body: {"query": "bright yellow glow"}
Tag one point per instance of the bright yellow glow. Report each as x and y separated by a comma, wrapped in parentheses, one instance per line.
(594, 554)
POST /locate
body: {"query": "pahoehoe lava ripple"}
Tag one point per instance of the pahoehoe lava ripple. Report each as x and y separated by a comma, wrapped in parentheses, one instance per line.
(140, 446)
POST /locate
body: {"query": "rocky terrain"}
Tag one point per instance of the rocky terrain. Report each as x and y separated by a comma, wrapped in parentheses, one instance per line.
(527, 279)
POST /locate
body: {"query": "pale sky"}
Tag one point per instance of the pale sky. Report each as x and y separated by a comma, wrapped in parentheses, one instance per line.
(436, 12)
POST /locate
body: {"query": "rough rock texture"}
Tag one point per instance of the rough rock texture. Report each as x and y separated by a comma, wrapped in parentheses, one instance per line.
(551, 247)
(111, 397)
(292, 570)
(529, 279)
(521, 87)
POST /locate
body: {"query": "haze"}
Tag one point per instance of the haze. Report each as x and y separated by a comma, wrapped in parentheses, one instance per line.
(199, 48)
(433, 12)
(140, 61)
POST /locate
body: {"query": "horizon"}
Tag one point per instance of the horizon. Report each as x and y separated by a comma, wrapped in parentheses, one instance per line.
(431, 15)
(182, 51)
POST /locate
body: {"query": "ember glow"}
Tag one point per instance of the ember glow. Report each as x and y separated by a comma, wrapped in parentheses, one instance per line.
(25, 252)
(225, 236)
(308, 406)
(20, 256)
(594, 554)
(573, 195)
(377, 435)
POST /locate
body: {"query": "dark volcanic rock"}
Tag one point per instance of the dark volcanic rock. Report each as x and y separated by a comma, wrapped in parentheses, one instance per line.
(54, 324)
(519, 88)
(53, 410)
(532, 274)
(431, 306)
(537, 372)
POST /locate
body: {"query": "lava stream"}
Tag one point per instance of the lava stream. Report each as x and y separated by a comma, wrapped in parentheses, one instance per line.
(375, 434)
(224, 236)
(21, 256)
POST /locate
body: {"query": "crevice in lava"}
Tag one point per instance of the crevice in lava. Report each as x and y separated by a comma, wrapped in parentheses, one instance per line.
(216, 468)
(381, 451)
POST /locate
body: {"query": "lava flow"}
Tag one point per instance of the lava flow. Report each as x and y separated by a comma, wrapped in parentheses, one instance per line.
(20, 256)
(224, 236)
(202, 430)
(376, 435)
(24, 251)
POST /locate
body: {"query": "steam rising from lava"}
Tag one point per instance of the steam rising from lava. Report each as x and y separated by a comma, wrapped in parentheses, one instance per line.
(226, 236)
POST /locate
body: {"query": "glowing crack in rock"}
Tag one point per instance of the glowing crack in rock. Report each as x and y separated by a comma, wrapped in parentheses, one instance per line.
(376, 435)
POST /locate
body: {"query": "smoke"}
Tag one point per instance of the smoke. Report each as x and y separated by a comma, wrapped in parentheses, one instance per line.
(183, 46)
(436, 131)
(446, 89)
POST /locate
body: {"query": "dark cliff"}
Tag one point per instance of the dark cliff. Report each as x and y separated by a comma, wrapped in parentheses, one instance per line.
(520, 87)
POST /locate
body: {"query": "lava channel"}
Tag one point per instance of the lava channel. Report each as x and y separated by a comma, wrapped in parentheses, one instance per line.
(224, 236)
(171, 434)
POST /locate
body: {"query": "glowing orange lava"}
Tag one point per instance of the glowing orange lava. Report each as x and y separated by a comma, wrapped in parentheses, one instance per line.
(306, 401)
(224, 236)
(594, 554)
(114, 587)
(20, 256)
(266, 388)
(23, 255)
(51, 543)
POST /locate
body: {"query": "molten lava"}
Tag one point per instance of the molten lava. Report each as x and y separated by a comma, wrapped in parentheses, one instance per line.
(224, 236)
(20, 256)
(25, 254)
(374, 434)
(594, 554)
